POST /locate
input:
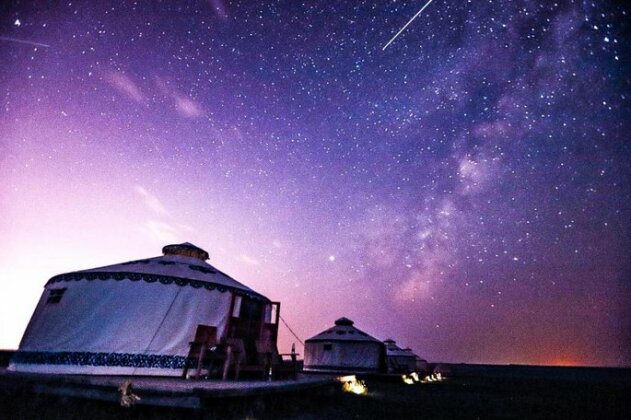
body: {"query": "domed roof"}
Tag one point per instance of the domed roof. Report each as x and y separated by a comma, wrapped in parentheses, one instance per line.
(343, 331)
(182, 264)
(344, 321)
(393, 350)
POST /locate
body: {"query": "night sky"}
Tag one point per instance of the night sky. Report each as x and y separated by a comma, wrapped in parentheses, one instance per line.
(465, 191)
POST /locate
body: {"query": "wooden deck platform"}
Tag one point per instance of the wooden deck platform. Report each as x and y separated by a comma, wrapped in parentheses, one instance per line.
(164, 391)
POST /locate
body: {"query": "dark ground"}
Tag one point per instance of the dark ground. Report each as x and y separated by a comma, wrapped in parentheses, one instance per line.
(478, 393)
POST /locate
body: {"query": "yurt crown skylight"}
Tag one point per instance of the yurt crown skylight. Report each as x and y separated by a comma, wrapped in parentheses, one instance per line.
(186, 249)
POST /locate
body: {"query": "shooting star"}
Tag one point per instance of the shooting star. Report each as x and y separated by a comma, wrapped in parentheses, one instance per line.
(406, 25)
(23, 42)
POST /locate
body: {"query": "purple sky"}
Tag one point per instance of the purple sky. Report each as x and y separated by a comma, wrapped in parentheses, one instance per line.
(464, 191)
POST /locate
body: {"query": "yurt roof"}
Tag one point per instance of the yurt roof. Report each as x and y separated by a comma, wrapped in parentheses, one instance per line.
(343, 330)
(393, 350)
(410, 352)
(183, 264)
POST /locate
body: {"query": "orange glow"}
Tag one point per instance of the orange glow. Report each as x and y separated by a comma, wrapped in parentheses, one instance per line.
(350, 383)
(563, 361)
(407, 379)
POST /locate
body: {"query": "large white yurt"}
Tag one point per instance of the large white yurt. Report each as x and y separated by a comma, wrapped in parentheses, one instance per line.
(343, 348)
(399, 360)
(142, 317)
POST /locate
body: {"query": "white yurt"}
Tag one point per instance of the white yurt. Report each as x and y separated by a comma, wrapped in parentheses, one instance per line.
(399, 360)
(421, 365)
(343, 348)
(142, 317)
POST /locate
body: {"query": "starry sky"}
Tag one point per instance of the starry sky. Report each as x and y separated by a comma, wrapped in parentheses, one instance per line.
(465, 191)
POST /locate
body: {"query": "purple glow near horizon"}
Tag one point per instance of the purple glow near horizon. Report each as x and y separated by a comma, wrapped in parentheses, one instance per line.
(465, 192)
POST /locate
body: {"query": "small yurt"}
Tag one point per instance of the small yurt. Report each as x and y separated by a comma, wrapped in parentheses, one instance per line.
(343, 348)
(143, 317)
(399, 360)
(421, 365)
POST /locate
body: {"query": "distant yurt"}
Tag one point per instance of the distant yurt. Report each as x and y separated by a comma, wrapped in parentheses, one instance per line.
(343, 348)
(421, 365)
(143, 317)
(399, 360)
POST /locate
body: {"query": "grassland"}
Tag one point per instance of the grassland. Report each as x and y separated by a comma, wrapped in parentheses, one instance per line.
(482, 393)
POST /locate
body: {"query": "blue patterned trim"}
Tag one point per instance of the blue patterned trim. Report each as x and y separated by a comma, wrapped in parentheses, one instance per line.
(151, 278)
(99, 359)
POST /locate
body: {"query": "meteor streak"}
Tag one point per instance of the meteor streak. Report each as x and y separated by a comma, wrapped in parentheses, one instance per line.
(406, 25)
(23, 41)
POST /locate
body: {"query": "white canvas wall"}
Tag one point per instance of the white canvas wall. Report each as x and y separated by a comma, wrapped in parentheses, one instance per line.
(123, 317)
(351, 355)
(401, 363)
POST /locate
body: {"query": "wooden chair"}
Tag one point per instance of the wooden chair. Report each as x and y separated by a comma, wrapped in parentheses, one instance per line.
(291, 366)
(238, 359)
(198, 354)
(273, 361)
(236, 356)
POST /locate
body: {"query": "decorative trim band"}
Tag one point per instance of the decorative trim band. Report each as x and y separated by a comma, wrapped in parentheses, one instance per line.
(99, 359)
(151, 278)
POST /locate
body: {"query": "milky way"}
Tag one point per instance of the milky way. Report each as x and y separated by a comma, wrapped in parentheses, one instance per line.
(464, 191)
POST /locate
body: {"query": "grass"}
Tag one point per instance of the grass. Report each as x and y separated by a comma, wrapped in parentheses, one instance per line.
(480, 398)
(465, 397)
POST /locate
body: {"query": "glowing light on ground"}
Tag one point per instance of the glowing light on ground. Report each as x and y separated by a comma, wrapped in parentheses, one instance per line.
(350, 383)
(414, 378)
(434, 377)
(411, 378)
